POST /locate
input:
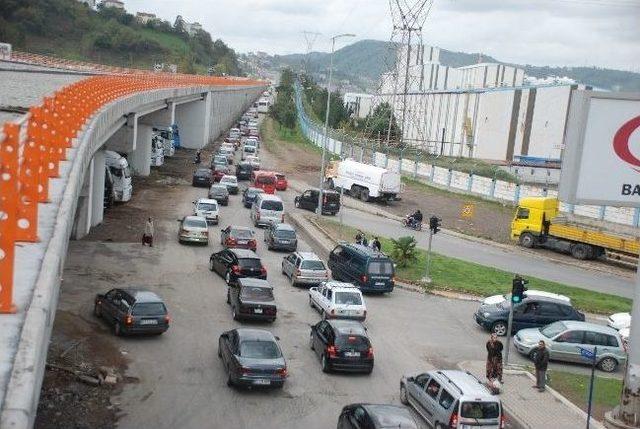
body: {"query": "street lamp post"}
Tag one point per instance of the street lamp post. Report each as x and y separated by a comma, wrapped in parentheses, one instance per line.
(325, 139)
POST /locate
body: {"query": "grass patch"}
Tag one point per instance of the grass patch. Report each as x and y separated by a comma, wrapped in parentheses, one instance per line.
(274, 135)
(454, 274)
(575, 387)
(475, 166)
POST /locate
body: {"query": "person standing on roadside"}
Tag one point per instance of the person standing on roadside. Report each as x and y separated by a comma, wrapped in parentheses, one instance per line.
(375, 244)
(541, 361)
(147, 237)
(494, 361)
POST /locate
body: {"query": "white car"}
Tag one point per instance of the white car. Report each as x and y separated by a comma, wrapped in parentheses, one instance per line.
(338, 300)
(208, 209)
(254, 161)
(619, 321)
(193, 229)
(497, 299)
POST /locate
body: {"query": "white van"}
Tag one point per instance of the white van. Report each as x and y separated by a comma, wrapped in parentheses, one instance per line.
(267, 209)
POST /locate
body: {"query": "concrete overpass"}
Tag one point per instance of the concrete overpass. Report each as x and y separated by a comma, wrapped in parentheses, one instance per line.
(52, 173)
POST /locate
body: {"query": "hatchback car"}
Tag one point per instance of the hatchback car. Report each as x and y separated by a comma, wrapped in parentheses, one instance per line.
(208, 209)
(530, 313)
(220, 193)
(281, 182)
(252, 299)
(238, 237)
(254, 161)
(244, 170)
(202, 177)
(376, 416)
(193, 229)
(252, 358)
(233, 264)
(249, 195)
(132, 311)
(219, 160)
(281, 236)
(304, 268)
(566, 340)
(231, 182)
(337, 300)
(342, 345)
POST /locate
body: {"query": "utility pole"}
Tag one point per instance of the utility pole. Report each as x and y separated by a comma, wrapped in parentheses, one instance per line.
(310, 38)
(325, 140)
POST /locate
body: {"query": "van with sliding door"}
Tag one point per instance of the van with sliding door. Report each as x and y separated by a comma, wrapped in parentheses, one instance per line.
(368, 269)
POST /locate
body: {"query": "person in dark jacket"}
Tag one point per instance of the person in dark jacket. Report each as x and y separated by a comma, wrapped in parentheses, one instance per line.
(375, 244)
(494, 359)
(541, 361)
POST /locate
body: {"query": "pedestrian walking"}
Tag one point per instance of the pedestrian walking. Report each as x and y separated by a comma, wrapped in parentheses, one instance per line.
(147, 237)
(365, 242)
(494, 363)
(541, 361)
(375, 244)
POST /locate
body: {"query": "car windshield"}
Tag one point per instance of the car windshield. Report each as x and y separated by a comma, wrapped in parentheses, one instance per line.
(254, 192)
(220, 158)
(149, 309)
(218, 189)
(220, 167)
(242, 233)
(208, 207)
(381, 267)
(285, 233)
(312, 265)
(229, 180)
(480, 410)
(250, 263)
(250, 149)
(194, 223)
(553, 329)
(203, 172)
(259, 350)
(272, 205)
(266, 180)
(355, 342)
(348, 298)
(257, 293)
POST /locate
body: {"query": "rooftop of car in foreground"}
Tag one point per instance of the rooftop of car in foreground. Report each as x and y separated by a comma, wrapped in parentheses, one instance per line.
(244, 253)
(309, 255)
(347, 327)
(285, 227)
(248, 334)
(390, 416)
(336, 285)
(141, 295)
(250, 281)
(466, 382)
(575, 324)
(367, 251)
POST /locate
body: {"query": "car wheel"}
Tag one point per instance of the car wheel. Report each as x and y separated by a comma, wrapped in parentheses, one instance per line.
(325, 363)
(311, 342)
(364, 195)
(229, 381)
(499, 328)
(117, 329)
(210, 264)
(97, 310)
(608, 364)
(297, 203)
(227, 278)
(234, 313)
(311, 303)
(527, 240)
(228, 297)
(323, 314)
(219, 352)
(293, 282)
(403, 395)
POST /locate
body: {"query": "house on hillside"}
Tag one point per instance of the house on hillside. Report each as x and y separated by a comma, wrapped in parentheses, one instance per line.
(117, 4)
(144, 17)
(90, 3)
(190, 27)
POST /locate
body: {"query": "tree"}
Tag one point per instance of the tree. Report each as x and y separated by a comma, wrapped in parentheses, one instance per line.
(376, 124)
(404, 251)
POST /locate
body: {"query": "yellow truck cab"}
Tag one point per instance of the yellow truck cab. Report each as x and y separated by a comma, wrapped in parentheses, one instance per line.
(538, 223)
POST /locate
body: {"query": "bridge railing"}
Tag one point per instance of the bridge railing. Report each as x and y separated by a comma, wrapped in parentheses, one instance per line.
(31, 152)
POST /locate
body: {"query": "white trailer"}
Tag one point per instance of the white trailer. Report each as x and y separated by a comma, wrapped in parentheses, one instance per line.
(121, 175)
(364, 181)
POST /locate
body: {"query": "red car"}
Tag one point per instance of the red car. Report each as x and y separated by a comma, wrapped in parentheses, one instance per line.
(219, 171)
(238, 237)
(281, 182)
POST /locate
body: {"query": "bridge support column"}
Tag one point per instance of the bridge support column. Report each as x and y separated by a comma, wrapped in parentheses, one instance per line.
(194, 121)
(97, 195)
(85, 205)
(140, 158)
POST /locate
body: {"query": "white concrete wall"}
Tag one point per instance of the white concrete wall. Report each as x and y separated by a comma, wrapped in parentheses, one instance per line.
(549, 118)
(140, 158)
(190, 118)
(493, 124)
(97, 198)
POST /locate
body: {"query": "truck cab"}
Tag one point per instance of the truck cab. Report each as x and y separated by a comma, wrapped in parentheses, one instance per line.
(157, 151)
(121, 175)
(532, 219)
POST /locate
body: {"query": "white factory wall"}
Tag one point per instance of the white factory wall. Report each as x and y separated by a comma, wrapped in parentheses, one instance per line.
(493, 124)
(549, 118)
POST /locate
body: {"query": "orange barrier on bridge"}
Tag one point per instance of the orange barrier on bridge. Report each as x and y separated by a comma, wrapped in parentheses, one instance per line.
(30, 156)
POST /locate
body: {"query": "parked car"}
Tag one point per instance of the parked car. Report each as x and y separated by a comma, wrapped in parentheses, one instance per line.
(308, 200)
(338, 300)
(220, 160)
(208, 209)
(619, 321)
(366, 268)
(219, 171)
(452, 399)
(497, 299)
(565, 340)
(376, 416)
(254, 161)
(532, 312)
(281, 182)
(238, 237)
(233, 264)
(281, 236)
(304, 268)
(252, 357)
(231, 182)
(220, 193)
(342, 345)
(252, 299)
(244, 170)
(202, 177)
(249, 195)
(265, 180)
(193, 229)
(132, 311)
(267, 209)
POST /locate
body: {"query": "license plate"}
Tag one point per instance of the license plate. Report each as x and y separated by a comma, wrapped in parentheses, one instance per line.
(243, 241)
(285, 241)
(262, 382)
(352, 354)
(257, 310)
(148, 322)
(379, 283)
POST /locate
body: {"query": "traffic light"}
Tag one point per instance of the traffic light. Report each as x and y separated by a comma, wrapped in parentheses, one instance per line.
(434, 224)
(518, 289)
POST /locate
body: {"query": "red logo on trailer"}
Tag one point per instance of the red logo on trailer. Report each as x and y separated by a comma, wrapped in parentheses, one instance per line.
(621, 142)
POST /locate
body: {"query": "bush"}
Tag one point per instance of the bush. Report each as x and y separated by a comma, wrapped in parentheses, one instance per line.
(404, 251)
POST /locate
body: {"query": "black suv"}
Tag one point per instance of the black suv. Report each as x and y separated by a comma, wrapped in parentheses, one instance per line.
(368, 269)
(342, 345)
(252, 299)
(532, 312)
(132, 311)
(202, 177)
(309, 201)
(233, 264)
(244, 170)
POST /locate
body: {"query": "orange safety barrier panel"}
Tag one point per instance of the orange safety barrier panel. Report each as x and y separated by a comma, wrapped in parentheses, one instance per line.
(8, 211)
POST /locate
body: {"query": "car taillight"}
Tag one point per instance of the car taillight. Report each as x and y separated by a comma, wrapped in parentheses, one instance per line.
(231, 240)
(244, 370)
(370, 353)
(167, 319)
(282, 372)
(252, 243)
(365, 313)
(332, 351)
(128, 320)
(236, 269)
(298, 273)
(258, 216)
(453, 421)
(503, 421)
(333, 311)
(205, 233)
(363, 278)
(263, 270)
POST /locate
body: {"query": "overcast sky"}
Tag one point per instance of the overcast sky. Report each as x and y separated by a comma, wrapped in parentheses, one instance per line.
(604, 33)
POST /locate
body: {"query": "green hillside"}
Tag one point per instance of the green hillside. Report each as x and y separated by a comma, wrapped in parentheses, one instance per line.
(70, 29)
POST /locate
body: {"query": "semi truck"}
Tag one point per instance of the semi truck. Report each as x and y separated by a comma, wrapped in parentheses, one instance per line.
(539, 223)
(167, 138)
(364, 181)
(120, 174)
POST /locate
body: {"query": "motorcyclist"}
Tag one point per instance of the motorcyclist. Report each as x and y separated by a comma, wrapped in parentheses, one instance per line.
(416, 218)
(198, 157)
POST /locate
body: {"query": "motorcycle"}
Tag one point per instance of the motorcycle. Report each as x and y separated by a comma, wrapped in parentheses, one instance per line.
(408, 222)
